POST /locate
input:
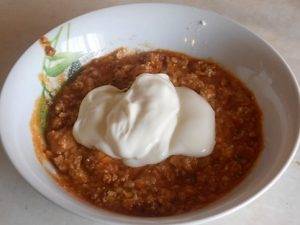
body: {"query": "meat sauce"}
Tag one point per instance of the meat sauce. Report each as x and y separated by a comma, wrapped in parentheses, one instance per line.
(180, 183)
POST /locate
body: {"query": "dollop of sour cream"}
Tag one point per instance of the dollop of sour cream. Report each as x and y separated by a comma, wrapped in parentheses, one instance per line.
(147, 123)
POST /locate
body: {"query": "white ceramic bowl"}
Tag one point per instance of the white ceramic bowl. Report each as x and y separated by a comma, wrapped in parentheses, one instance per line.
(179, 28)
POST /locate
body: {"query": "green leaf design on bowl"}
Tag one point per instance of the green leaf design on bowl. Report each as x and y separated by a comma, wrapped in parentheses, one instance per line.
(43, 112)
(57, 64)
(56, 69)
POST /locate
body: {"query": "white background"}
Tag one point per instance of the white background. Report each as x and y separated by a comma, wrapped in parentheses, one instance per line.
(22, 22)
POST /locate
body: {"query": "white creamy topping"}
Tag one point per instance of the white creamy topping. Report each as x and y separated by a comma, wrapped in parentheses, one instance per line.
(146, 124)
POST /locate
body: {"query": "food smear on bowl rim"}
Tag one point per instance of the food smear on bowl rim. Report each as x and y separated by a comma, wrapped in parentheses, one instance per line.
(147, 123)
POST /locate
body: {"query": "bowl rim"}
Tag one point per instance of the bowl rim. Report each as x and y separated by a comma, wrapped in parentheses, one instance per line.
(248, 200)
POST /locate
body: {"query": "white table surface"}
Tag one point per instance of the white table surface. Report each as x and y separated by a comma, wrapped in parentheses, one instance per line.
(22, 22)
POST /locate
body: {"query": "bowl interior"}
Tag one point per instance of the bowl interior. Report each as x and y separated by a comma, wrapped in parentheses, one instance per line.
(178, 28)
